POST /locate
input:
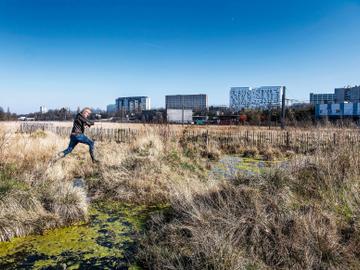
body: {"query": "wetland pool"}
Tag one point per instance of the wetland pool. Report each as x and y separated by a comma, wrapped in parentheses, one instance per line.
(106, 241)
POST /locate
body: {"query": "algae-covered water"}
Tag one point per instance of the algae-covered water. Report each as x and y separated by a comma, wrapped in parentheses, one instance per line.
(107, 241)
(230, 166)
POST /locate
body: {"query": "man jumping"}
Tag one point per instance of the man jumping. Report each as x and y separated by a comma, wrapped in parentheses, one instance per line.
(78, 136)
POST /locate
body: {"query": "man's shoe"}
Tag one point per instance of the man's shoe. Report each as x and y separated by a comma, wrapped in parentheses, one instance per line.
(57, 157)
(95, 161)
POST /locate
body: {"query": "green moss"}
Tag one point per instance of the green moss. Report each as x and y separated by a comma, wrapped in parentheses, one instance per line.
(173, 157)
(188, 166)
(103, 242)
(8, 181)
(343, 208)
(231, 166)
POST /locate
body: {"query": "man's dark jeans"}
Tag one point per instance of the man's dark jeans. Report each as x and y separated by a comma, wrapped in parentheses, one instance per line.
(80, 138)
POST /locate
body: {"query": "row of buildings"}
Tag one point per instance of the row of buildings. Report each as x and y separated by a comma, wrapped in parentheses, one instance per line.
(240, 98)
(344, 102)
(196, 102)
(340, 95)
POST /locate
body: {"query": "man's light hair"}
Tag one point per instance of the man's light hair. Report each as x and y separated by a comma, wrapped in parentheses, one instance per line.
(86, 109)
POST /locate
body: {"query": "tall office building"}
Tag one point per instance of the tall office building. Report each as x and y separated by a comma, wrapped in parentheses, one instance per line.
(133, 104)
(263, 97)
(189, 102)
(322, 98)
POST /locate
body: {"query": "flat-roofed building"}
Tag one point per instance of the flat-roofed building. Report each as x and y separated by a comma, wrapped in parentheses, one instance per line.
(263, 97)
(347, 94)
(189, 102)
(133, 104)
(322, 98)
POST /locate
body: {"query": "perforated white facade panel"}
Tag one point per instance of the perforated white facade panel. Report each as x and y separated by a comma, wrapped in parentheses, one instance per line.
(261, 97)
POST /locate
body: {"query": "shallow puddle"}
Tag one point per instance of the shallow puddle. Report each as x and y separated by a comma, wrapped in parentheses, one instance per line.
(107, 241)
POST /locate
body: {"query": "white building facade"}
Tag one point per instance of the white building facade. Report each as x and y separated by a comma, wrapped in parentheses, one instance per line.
(263, 97)
(179, 116)
(43, 110)
(133, 104)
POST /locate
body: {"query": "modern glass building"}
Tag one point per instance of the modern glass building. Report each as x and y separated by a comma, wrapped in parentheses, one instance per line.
(340, 95)
(263, 97)
(347, 94)
(190, 102)
(133, 104)
(322, 98)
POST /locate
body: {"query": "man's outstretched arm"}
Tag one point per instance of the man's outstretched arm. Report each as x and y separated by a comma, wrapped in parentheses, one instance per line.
(87, 122)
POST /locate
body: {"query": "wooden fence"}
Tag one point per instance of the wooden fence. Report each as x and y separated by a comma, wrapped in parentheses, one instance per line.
(98, 134)
(299, 140)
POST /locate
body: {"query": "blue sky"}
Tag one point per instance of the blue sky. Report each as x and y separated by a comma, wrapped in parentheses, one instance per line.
(88, 52)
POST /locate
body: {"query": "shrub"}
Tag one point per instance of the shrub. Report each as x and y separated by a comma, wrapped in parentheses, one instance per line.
(251, 152)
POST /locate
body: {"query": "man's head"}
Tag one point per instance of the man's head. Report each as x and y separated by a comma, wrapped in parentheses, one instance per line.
(86, 112)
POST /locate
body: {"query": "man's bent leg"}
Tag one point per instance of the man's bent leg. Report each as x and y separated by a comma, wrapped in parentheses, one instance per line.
(91, 144)
(72, 144)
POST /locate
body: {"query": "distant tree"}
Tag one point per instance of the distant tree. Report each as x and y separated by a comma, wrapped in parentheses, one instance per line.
(64, 114)
(254, 117)
(2, 114)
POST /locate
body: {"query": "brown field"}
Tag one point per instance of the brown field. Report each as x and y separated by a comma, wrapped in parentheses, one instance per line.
(303, 215)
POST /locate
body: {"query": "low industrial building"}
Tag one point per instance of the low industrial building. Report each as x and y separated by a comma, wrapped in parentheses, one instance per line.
(337, 110)
(179, 116)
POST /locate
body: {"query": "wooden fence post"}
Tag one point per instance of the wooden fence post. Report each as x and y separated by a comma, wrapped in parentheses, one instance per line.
(287, 139)
(207, 139)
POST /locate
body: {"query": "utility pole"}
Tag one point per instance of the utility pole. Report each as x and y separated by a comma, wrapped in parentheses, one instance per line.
(283, 108)
(182, 103)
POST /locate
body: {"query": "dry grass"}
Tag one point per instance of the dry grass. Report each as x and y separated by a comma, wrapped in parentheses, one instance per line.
(139, 172)
(303, 217)
(34, 194)
(145, 170)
